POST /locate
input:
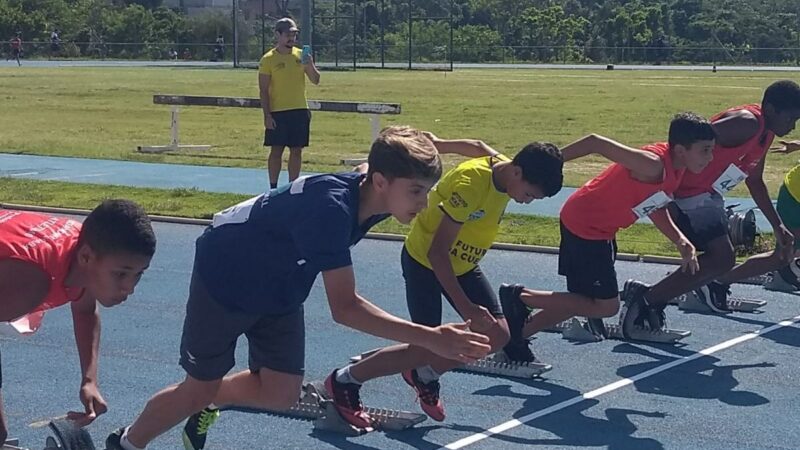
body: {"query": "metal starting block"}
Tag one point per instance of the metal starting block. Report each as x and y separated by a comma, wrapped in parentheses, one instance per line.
(690, 302)
(315, 405)
(493, 364)
(499, 364)
(574, 330)
(12, 444)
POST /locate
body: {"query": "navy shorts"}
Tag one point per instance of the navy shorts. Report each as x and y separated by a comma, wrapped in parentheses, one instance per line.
(588, 265)
(424, 293)
(292, 129)
(210, 332)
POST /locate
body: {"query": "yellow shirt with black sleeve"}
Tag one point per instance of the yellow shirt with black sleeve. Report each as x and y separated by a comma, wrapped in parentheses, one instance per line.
(287, 83)
(467, 194)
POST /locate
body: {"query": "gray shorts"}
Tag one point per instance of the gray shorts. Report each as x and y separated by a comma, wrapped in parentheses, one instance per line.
(701, 218)
(210, 332)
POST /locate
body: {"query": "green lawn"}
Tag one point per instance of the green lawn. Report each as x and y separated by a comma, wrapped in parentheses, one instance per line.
(519, 229)
(107, 112)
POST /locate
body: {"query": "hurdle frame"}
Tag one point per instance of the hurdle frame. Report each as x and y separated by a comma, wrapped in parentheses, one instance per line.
(375, 110)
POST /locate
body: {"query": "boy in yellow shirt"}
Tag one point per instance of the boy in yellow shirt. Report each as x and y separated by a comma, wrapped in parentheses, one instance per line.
(441, 257)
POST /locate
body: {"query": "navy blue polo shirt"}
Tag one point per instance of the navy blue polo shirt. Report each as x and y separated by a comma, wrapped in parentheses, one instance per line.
(263, 255)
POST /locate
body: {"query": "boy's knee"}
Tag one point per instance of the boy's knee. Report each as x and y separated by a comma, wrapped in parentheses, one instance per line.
(608, 307)
(200, 393)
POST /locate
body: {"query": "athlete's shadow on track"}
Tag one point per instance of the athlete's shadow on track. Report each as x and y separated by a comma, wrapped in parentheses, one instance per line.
(701, 379)
(571, 426)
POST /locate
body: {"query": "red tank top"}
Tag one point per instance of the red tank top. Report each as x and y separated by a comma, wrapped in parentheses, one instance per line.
(46, 241)
(745, 157)
(16, 43)
(615, 200)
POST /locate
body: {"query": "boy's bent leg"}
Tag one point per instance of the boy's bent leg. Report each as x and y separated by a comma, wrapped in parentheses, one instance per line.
(717, 259)
(592, 286)
(169, 408)
(703, 220)
(277, 355)
(754, 266)
(266, 389)
(208, 344)
(557, 307)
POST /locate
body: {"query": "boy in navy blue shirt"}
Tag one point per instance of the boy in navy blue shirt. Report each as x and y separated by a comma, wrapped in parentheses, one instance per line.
(254, 268)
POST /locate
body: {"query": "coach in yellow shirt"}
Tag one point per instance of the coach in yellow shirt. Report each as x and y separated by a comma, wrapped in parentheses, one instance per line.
(282, 84)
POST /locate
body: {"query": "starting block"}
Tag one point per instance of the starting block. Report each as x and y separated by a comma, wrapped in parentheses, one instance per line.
(575, 330)
(690, 302)
(493, 364)
(315, 405)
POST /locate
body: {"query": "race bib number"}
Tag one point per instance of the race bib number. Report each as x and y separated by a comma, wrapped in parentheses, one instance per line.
(238, 213)
(729, 179)
(650, 204)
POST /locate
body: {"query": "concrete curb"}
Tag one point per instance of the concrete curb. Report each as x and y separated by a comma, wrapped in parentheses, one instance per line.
(376, 236)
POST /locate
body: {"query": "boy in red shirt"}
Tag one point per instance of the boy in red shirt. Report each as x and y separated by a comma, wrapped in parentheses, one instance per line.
(638, 184)
(744, 134)
(48, 261)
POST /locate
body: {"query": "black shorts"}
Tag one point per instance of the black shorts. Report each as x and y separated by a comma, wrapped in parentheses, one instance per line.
(424, 293)
(16, 52)
(588, 265)
(701, 224)
(210, 332)
(292, 129)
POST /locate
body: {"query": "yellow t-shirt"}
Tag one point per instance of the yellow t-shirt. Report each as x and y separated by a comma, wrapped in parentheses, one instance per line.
(468, 195)
(287, 84)
(792, 182)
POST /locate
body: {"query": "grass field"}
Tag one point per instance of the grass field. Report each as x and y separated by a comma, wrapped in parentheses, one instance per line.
(107, 112)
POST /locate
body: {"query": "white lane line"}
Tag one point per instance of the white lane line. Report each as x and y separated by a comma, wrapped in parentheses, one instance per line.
(503, 427)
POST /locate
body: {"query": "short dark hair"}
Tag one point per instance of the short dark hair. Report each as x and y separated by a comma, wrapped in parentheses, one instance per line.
(782, 95)
(687, 128)
(402, 151)
(542, 165)
(118, 226)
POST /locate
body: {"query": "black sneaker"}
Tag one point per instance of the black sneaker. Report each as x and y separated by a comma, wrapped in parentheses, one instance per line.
(715, 296)
(196, 428)
(655, 317)
(633, 312)
(519, 352)
(113, 441)
(514, 310)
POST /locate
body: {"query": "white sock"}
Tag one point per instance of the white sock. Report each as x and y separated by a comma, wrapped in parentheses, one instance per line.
(343, 375)
(125, 443)
(212, 406)
(426, 374)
